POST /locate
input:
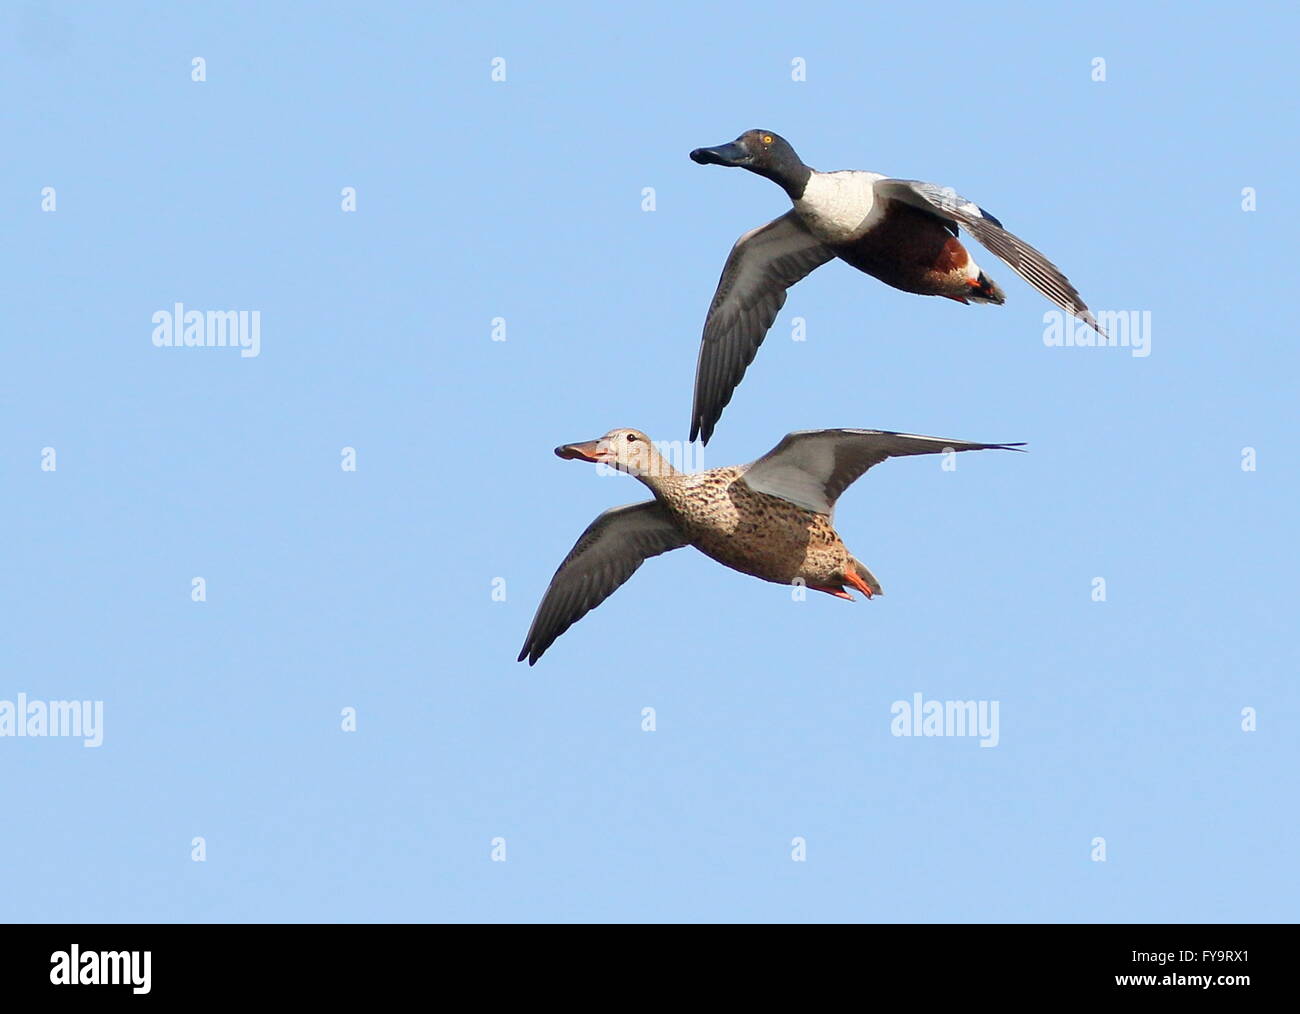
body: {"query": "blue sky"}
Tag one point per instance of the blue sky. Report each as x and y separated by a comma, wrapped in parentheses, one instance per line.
(522, 199)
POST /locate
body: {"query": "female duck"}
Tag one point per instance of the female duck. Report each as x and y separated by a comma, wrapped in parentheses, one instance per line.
(770, 519)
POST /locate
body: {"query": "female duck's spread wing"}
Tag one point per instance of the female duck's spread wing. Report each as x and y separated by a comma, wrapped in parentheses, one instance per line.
(811, 468)
(605, 555)
(762, 265)
(1027, 262)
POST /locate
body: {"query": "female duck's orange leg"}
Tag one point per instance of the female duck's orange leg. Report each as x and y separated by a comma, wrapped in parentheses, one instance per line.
(852, 578)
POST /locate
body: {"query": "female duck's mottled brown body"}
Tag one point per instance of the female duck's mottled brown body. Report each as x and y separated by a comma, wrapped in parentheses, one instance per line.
(770, 519)
(756, 533)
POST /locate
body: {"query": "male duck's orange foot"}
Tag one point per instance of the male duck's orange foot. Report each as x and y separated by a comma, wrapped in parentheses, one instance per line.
(839, 593)
(853, 578)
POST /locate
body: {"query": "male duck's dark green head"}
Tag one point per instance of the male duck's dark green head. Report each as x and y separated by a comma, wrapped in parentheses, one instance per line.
(762, 152)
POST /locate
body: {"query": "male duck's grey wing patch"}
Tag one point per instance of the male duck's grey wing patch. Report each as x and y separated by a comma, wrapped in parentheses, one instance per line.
(811, 468)
(762, 265)
(605, 555)
(1027, 262)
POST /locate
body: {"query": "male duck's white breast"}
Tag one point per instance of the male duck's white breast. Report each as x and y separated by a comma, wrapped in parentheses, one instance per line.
(839, 207)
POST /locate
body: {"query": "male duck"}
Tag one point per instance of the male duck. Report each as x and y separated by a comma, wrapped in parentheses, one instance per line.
(770, 519)
(903, 232)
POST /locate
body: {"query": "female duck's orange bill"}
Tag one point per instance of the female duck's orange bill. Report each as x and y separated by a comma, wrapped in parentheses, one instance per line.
(586, 451)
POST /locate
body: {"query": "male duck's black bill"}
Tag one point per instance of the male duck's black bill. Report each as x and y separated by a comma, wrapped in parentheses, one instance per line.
(733, 154)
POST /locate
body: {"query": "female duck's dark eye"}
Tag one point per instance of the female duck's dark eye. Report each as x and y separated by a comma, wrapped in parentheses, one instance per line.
(630, 438)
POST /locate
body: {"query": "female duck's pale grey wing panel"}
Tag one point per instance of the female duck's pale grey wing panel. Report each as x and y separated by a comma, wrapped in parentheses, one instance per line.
(811, 468)
(605, 555)
(1027, 262)
(762, 265)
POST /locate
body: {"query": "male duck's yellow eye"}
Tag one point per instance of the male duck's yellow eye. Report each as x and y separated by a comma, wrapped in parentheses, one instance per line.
(767, 138)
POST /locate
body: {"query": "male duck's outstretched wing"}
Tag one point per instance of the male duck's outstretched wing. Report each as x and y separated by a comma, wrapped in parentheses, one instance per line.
(762, 265)
(1027, 262)
(605, 555)
(811, 468)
